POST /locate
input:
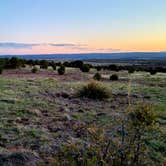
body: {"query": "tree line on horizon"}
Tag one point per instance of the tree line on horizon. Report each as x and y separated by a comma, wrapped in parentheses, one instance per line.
(15, 63)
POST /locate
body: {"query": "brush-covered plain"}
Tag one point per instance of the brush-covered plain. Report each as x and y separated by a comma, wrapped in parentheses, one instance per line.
(42, 113)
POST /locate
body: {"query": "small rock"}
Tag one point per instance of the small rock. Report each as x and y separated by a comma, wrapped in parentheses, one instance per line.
(12, 101)
(81, 111)
(64, 95)
(36, 112)
(67, 117)
(61, 109)
(146, 97)
(136, 96)
(10, 120)
(101, 114)
(113, 106)
(18, 119)
(121, 94)
(19, 158)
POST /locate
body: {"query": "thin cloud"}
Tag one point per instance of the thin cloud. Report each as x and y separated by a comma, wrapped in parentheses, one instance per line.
(17, 45)
(66, 45)
(62, 44)
(109, 49)
(70, 46)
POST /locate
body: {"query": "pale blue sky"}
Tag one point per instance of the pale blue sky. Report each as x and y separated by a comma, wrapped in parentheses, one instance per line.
(96, 23)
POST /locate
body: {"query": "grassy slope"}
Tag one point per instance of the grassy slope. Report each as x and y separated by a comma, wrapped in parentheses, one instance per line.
(36, 114)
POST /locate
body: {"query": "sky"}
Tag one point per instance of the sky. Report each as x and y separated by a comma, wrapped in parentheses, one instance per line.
(82, 26)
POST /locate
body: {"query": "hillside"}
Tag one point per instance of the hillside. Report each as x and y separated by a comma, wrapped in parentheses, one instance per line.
(41, 113)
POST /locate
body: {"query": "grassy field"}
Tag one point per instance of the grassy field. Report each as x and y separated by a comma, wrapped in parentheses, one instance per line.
(41, 112)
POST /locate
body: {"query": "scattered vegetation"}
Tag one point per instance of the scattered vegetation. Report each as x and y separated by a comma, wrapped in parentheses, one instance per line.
(125, 147)
(15, 62)
(66, 123)
(94, 90)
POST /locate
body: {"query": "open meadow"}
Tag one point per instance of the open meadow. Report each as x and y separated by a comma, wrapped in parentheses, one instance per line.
(44, 120)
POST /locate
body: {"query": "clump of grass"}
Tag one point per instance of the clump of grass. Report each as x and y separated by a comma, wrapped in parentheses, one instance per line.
(94, 90)
(142, 115)
(34, 70)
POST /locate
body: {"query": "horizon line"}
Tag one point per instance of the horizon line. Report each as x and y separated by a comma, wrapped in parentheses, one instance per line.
(127, 52)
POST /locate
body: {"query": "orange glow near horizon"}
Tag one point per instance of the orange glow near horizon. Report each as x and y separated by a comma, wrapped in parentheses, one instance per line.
(101, 46)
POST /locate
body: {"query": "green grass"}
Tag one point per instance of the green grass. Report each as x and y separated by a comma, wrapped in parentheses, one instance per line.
(18, 97)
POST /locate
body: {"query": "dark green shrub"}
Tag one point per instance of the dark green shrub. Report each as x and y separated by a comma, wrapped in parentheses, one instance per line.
(85, 68)
(77, 63)
(98, 68)
(61, 70)
(31, 62)
(2, 64)
(113, 67)
(114, 77)
(131, 70)
(53, 65)
(59, 63)
(34, 70)
(1, 70)
(66, 64)
(14, 63)
(97, 77)
(153, 72)
(44, 64)
(94, 90)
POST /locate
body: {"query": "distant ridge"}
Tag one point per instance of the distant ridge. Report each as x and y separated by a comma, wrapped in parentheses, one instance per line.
(87, 56)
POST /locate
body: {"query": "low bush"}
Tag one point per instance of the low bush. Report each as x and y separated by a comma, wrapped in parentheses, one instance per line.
(98, 68)
(34, 70)
(97, 77)
(61, 70)
(114, 77)
(85, 68)
(14, 63)
(53, 65)
(131, 70)
(1, 67)
(1, 70)
(94, 90)
(142, 115)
